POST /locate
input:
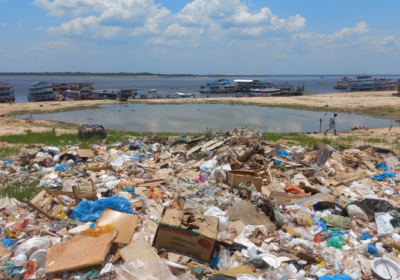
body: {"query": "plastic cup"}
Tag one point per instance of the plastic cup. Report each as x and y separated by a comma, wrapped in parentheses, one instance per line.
(225, 255)
(20, 260)
(40, 272)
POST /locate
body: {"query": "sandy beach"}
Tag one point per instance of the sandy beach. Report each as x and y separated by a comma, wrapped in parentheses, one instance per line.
(381, 104)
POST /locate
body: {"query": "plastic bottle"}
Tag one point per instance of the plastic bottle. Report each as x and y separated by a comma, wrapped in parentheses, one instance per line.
(20, 260)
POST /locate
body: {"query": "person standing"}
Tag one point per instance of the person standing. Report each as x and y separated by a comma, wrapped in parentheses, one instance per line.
(332, 124)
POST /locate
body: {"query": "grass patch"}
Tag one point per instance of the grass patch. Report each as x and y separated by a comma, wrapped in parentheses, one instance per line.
(21, 192)
(5, 152)
(303, 139)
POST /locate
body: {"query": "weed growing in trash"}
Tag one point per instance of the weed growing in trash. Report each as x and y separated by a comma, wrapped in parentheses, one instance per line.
(19, 191)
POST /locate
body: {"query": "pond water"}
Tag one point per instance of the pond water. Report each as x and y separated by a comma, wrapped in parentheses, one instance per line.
(197, 117)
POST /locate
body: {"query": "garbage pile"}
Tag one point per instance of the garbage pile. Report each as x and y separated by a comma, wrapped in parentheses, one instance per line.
(231, 206)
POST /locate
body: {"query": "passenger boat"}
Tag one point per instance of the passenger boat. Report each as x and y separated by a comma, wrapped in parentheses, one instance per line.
(282, 86)
(6, 92)
(365, 83)
(125, 94)
(41, 91)
(218, 86)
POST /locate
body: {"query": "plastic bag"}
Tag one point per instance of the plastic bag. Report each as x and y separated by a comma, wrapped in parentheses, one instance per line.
(331, 254)
(209, 165)
(88, 211)
(221, 215)
(356, 212)
(383, 223)
(26, 247)
(336, 241)
(61, 167)
(337, 220)
(289, 270)
(280, 218)
(335, 277)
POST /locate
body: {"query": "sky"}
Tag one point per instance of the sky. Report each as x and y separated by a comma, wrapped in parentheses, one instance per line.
(246, 37)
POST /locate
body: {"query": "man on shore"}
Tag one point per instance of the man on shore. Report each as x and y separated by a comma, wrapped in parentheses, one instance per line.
(332, 124)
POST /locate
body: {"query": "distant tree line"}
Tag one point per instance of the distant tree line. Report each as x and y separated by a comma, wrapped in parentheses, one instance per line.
(90, 74)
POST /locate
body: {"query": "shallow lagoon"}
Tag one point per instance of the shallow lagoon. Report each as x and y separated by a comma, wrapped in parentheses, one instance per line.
(196, 117)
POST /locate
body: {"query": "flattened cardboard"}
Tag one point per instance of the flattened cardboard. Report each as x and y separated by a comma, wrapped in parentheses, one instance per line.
(238, 225)
(350, 177)
(172, 234)
(247, 213)
(85, 153)
(80, 252)
(272, 188)
(3, 250)
(124, 223)
(235, 177)
(139, 249)
(98, 169)
(282, 198)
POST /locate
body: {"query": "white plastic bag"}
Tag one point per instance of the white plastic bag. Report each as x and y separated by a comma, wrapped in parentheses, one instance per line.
(221, 215)
(382, 220)
(356, 212)
(209, 165)
(331, 254)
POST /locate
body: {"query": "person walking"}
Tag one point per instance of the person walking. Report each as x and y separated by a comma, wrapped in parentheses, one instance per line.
(332, 124)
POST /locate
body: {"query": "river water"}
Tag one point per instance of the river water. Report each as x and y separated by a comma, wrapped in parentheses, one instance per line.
(197, 117)
(165, 85)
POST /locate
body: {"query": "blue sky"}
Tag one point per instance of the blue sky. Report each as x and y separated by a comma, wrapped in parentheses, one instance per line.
(200, 36)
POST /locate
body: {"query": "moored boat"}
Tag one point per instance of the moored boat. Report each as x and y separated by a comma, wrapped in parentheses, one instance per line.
(265, 92)
(41, 91)
(218, 86)
(6, 92)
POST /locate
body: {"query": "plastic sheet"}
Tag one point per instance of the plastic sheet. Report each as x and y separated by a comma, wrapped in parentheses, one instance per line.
(88, 211)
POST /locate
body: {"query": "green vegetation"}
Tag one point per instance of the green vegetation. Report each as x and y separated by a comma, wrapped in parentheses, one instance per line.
(8, 151)
(19, 191)
(303, 139)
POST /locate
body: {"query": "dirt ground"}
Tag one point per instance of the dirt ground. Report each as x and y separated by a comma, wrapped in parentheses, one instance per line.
(10, 125)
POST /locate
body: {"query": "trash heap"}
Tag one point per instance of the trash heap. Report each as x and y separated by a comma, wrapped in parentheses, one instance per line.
(231, 206)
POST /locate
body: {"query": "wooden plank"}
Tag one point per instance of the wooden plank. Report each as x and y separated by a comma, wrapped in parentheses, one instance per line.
(216, 145)
(77, 199)
(209, 143)
(40, 210)
(57, 210)
(192, 150)
(39, 196)
(49, 200)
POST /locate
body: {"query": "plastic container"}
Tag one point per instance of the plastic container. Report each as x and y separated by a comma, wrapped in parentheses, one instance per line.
(225, 255)
(40, 257)
(40, 272)
(20, 260)
(382, 266)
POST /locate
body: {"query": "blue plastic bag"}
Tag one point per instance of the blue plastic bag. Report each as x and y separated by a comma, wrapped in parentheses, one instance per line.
(61, 167)
(7, 160)
(130, 190)
(383, 176)
(335, 277)
(382, 166)
(90, 211)
(372, 249)
(8, 242)
(282, 153)
(365, 236)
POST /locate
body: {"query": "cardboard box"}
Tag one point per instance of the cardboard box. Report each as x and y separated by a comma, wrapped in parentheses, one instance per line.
(235, 177)
(191, 233)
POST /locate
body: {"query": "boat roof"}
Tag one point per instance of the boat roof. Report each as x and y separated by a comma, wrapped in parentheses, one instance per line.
(246, 81)
(5, 84)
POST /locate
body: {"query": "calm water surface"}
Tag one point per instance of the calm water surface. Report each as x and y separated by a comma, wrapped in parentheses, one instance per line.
(197, 117)
(164, 85)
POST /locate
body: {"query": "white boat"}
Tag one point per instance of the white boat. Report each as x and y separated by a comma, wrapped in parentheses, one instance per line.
(41, 91)
(265, 90)
(6, 92)
(153, 91)
(218, 86)
(183, 95)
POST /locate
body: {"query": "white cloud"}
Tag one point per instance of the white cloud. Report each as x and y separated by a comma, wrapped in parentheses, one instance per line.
(108, 16)
(175, 30)
(143, 17)
(361, 28)
(86, 27)
(3, 25)
(19, 24)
